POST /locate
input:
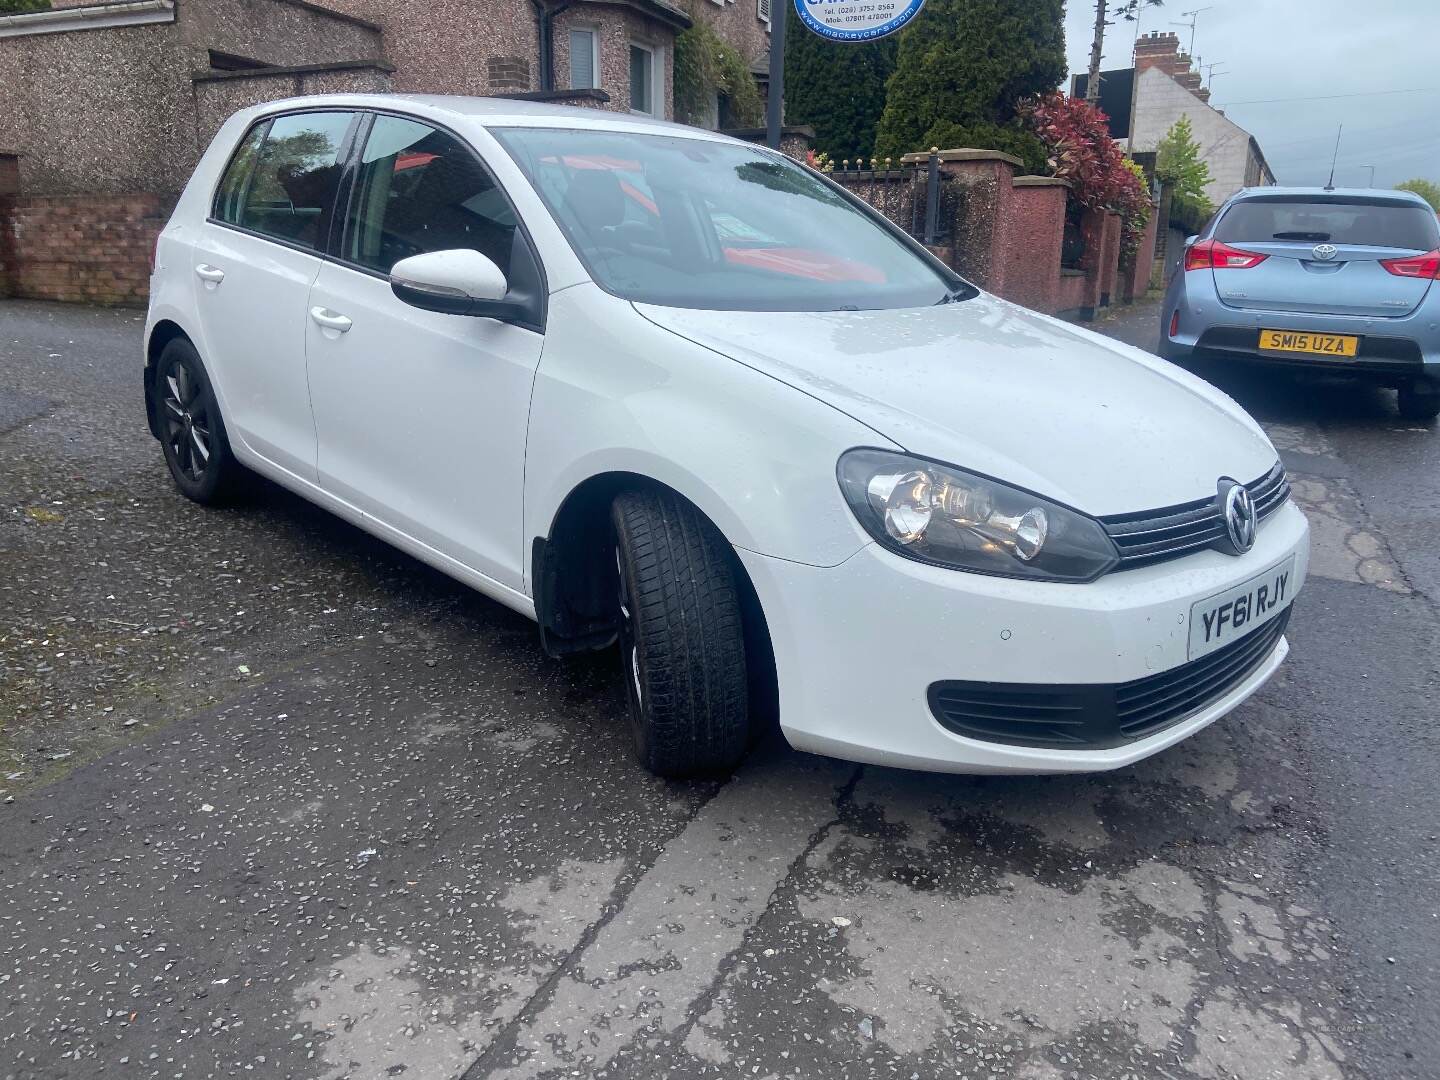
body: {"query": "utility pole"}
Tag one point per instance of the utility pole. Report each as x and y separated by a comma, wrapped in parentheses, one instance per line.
(1097, 45)
(775, 104)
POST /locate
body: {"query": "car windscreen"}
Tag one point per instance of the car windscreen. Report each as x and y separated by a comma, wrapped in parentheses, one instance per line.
(1362, 222)
(696, 223)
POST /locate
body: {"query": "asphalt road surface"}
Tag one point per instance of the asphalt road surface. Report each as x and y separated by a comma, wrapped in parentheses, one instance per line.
(278, 801)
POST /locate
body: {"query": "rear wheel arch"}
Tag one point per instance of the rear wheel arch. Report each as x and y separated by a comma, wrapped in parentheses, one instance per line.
(161, 334)
(574, 585)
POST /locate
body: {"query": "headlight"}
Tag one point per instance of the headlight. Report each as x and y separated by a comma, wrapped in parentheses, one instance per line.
(938, 514)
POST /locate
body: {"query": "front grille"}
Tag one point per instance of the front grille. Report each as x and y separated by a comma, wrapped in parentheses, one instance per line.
(1148, 705)
(1094, 716)
(1152, 536)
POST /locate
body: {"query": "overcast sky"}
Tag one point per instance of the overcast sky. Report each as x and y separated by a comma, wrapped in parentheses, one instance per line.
(1313, 50)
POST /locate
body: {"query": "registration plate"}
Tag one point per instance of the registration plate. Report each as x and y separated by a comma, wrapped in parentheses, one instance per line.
(1227, 616)
(1319, 344)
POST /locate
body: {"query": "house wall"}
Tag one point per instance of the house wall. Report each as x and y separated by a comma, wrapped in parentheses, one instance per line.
(1224, 144)
(101, 128)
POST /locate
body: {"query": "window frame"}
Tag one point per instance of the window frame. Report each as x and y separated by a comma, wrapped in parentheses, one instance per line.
(594, 32)
(657, 108)
(343, 155)
(345, 191)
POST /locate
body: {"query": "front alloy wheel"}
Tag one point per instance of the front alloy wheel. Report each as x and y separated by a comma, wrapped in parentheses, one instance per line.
(682, 645)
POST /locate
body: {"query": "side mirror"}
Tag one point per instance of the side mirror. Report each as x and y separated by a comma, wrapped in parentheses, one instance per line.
(456, 282)
(1189, 240)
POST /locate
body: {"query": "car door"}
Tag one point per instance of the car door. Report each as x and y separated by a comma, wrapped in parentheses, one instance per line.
(255, 259)
(421, 416)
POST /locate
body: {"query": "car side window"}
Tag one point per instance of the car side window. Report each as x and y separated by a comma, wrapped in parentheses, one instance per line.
(290, 193)
(230, 195)
(419, 189)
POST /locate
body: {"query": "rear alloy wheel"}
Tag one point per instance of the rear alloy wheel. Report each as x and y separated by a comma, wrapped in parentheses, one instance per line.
(1420, 400)
(682, 648)
(191, 431)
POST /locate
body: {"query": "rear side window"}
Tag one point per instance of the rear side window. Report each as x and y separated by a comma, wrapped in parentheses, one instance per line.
(230, 196)
(421, 190)
(1363, 222)
(289, 190)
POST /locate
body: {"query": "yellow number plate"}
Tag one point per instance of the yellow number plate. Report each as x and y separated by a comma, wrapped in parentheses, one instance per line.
(1295, 341)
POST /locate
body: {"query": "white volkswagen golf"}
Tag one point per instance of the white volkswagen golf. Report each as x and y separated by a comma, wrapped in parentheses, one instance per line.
(649, 385)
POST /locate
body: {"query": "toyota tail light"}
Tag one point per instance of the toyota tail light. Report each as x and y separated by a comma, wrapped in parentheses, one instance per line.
(1415, 266)
(1213, 255)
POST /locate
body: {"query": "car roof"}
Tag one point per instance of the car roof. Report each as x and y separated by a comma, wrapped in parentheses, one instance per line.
(1332, 193)
(494, 112)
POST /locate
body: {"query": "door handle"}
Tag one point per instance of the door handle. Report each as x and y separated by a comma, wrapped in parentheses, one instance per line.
(331, 320)
(206, 272)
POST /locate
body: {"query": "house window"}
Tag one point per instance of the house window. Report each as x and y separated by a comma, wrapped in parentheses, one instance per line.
(762, 11)
(643, 98)
(584, 59)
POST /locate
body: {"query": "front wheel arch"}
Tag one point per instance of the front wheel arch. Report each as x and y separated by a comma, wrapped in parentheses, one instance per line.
(573, 576)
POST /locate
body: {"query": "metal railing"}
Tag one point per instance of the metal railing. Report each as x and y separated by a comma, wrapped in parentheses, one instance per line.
(911, 194)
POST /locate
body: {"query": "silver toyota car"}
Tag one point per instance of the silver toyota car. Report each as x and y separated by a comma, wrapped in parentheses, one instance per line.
(1337, 279)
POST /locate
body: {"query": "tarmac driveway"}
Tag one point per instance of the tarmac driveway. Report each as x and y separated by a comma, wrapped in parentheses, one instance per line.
(278, 801)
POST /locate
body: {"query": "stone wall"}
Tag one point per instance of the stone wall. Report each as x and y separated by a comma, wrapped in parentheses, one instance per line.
(1004, 232)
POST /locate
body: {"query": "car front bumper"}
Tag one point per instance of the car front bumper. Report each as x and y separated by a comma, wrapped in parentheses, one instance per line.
(857, 647)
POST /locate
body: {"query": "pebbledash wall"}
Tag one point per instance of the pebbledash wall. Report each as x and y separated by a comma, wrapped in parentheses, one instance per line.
(108, 105)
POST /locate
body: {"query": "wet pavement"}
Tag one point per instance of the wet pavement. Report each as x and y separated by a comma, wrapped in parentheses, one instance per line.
(278, 801)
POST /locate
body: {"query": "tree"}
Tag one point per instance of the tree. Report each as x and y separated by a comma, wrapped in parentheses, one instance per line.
(1125, 9)
(963, 68)
(1428, 190)
(837, 87)
(705, 66)
(23, 7)
(1178, 165)
(1077, 138)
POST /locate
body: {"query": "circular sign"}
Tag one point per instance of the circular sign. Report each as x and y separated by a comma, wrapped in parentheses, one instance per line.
(856, 20)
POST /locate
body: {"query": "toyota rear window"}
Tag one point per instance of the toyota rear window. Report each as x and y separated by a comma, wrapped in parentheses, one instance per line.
(1361, 222)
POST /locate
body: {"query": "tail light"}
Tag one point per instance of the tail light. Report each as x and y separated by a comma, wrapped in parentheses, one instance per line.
(1416, 266)
(1213, 255)
(1174, 322)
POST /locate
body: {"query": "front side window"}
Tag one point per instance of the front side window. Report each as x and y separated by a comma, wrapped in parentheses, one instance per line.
(692, 223)
(583, 66)
(291, 190)
(642, 80)
(418, 190)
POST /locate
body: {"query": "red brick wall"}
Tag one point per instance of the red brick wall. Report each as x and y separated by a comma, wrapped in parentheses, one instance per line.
(93, 248)
(1032, 244)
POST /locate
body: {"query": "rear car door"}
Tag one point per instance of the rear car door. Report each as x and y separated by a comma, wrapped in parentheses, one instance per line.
(1326, 254)
(253, 263)
(421, 416)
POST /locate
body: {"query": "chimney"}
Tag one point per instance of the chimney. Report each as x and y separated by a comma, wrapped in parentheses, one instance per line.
(1160, 50)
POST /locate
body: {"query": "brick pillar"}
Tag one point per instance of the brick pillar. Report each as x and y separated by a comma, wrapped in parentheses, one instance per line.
(1109, 265)
(982, 216)
(1092, 229)
(1135, 278)
(1034, 238)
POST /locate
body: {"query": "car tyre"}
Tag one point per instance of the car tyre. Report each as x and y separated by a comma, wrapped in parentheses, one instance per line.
(1420, 400)
(192, 433)
(682, 646)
